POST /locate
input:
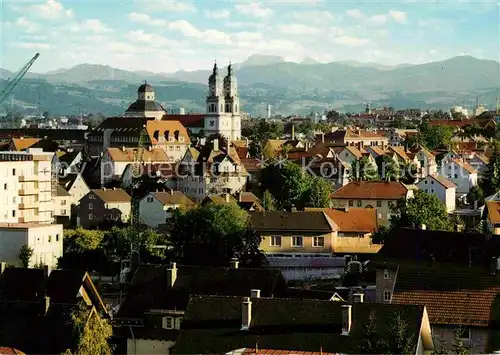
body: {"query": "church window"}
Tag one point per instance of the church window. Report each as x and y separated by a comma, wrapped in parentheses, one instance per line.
(228, 108)
(235, 108)
(167, 133)
(212, 123)
(221, 108)
(156, 135)
(176, 135)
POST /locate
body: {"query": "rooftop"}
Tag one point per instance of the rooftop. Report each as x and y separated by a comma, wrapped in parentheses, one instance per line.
(392, 190)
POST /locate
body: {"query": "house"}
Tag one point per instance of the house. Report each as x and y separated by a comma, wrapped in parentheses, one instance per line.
(219, 325)
(166, 173)
(460, 173)
(35, 316)
(249, 202)
(355, 229)
(46, 240)
(22, 144)
(211, 170)
(441, 187)
(301, 233)
(115, 160)
(455, 298)
(156, 207)
(428, 164)
(365, 194)
(104, 204)
(478, 162)
(157, 297)
(493, 217)
(375, 151)
(69, 162)
(397, 136)
(75, 185)
(62, 202)
(350, 154)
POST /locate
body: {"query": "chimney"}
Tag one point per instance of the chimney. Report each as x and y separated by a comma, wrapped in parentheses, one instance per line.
(171, 275)
(46, 270)
(44, 305)
(103, 189)
(293, 132)
(346, 208)
(123, 148)
(322, 137)
(358, 297)
(255, 293)
(234, 263)
(171, 191)
(216, 144)
(149, 148)
(346, 319)
(246, 313)
(227, 197)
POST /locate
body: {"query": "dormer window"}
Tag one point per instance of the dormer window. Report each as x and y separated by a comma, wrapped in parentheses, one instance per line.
(168, 323)
(387, 274)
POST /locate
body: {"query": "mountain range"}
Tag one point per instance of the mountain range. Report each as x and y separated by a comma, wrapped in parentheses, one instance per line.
(289, 87)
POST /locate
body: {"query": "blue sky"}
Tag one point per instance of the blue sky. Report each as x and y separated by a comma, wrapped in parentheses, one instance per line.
(169, 35)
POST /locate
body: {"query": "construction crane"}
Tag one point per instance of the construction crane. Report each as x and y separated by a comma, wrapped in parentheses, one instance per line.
(12, 82)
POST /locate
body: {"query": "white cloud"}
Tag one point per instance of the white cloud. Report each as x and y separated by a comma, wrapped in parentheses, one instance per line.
(208, 36)
(298, 29)
(314, 16)
(152, 39)
(94, 25)
(32, 45)
(51, 10)
(122, 47)
(169, 5)
(246, 36)
(355, 13)
(218, 15)
(351, 41)
(378, 19)
(26, 25)
(254, 9)
(146, 19)
(398, 16)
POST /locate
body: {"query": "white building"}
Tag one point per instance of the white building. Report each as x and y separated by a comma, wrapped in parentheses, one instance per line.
(460, 109)
(441, 187)
(46, 240)
(223, 105)
(462, 174)
(156, 207)
(28, 186)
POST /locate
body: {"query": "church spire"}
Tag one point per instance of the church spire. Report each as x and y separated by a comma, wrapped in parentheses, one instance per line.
(229, 70)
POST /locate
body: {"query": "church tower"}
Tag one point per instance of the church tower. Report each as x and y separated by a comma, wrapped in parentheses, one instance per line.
(232, 103)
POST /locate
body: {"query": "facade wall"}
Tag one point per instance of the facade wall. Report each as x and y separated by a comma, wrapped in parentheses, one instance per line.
(78, 190)
(287, 247)
(383, 211)
(153, 213)
(148, 346)
(477, 342)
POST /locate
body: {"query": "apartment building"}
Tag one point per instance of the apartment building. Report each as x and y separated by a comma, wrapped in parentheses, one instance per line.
(27, 185)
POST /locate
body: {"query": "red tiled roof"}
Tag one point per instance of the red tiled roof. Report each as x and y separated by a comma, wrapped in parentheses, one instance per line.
(189, 121)
(362, 220)
(391, 190)
(443, 181)
(256, 351)
(10, 351)
(251, 164)
(493, 211)
(452, 298)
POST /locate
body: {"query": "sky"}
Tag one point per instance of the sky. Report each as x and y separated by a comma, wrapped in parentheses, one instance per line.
(168, 35)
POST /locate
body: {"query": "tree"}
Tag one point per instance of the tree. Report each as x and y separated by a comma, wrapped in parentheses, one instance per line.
(371, 342)
(363, 170)
(421, 209)
(318, 194)
(332, 115)
(91, 333)
(388, 168)
(25, 254)
(287, 183)
(458, 345)
(80, 240)
(439, 346)
(401, 341)
(212, 234)
(436, 136)
(491, 178)
(476, 194)
(408, 172)
(268, 201)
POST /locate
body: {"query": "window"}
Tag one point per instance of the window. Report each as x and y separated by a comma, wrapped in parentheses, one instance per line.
(50, 238)
(387, 296)
(13, 172)
(91, 206)
(351, 203)
(92, 197)
(379, 203)
(432, 191)
(297, 242)
(57, 237)
(63, 212)
(150, 199)
(13, 213)
(5, 186)
(359, 203)
(168, 322)
(63, 203)
(456, 176)
(465, 333)
(425, 182)
(432, 182)
(275, 240)
(91, 216)
(341, 234)
(387, 274)
(318, 242)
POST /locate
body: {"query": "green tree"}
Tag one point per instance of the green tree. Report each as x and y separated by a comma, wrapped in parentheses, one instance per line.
(212, 234)
(436, 136)
(332, 115)
(491, 178)
(421, 209)
(476, 194)
(80, 240)
(363, 170)
(91, 333)
(458, 345)
(439, 346)
(388, 168)
(25, 254)
(318, 194)
(268, 201)
(370, 340)
(408, 172)
(401, 340)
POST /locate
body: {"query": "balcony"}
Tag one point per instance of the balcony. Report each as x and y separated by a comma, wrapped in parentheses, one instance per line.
(25, 178)
(28, 219)
(27, 205)
(28, 191)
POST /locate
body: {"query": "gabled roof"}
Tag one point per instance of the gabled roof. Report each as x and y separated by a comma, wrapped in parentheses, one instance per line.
(10, 351)
(312, 222)
(377, 150)
(361, 220)
(458, 297)
(354, 151)
(112, 195)
(258, 351)
(68, 181)
(220, 199)
(149, 290)
(68, 157)
(169, 130)
(442, 180)
(129, 154)
(391, 190)
(188, 121)
(212, 324)
(173, 198)
(400, 152)
(61, 191)
(493, 211)
(466, 166)
(24, 143)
